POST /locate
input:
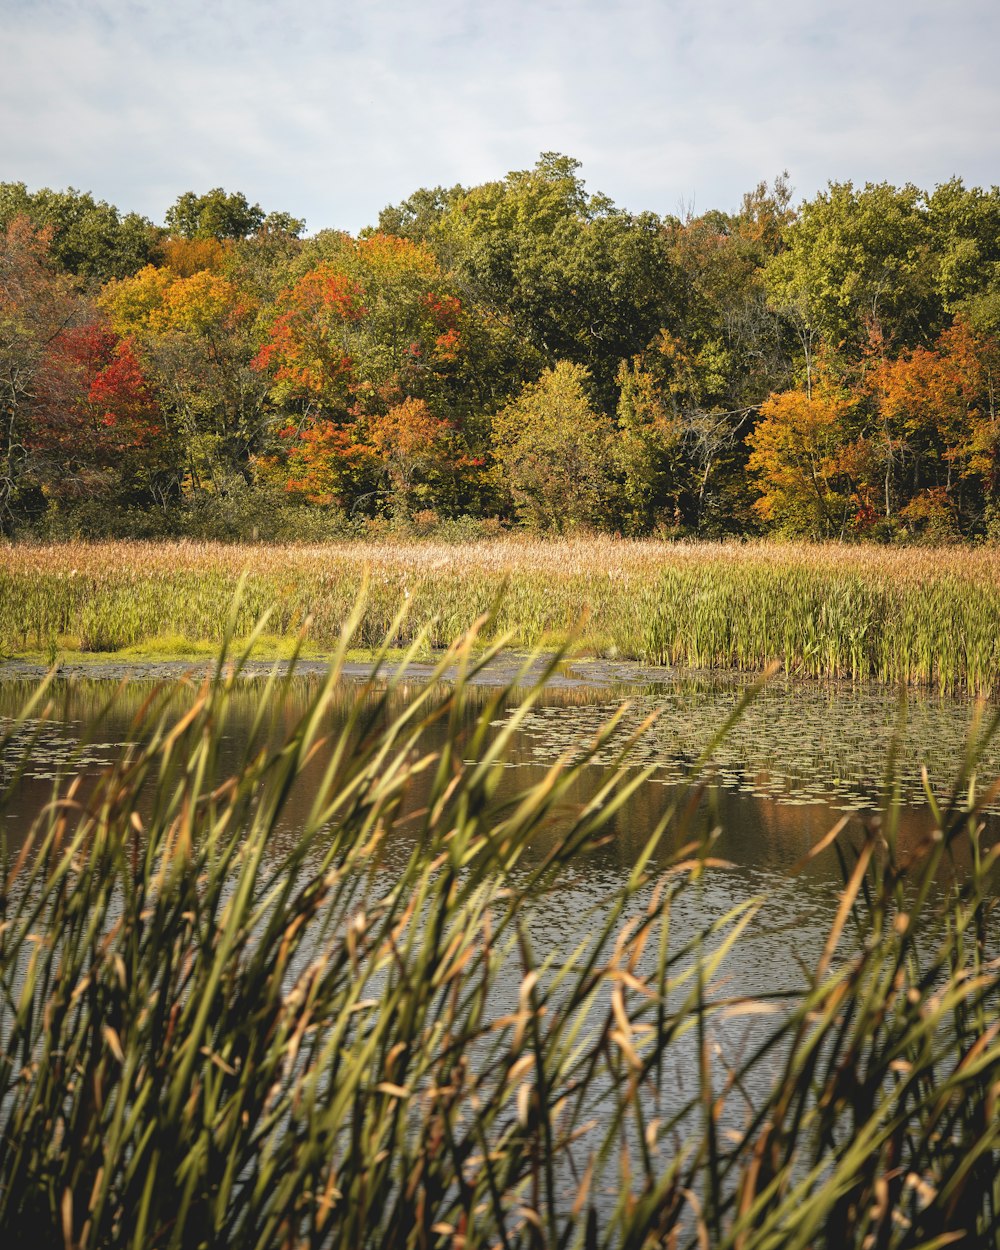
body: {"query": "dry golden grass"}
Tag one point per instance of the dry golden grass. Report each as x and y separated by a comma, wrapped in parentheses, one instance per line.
(926, 615)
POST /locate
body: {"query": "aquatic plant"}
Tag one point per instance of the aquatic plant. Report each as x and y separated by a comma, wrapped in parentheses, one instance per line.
(219, 1032)
(921, 616)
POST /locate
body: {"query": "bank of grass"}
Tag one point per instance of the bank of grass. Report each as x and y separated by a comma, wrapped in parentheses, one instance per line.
(923, 616)
(217, 1033)
(68, 649)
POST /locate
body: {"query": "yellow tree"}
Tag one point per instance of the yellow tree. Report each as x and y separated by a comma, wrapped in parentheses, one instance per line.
(553, 451)
(197, 335)
(794, 461)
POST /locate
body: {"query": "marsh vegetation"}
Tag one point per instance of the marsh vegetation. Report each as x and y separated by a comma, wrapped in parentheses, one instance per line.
(915, 616)
(240, 1010)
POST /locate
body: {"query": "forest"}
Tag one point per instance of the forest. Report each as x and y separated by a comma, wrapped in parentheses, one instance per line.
(519, 353)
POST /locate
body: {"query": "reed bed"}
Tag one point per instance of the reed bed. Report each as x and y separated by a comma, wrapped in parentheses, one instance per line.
(202, 1045)
(916, 616)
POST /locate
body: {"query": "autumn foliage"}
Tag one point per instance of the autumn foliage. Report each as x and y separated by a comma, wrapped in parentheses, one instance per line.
(793, 458)
(521, 349)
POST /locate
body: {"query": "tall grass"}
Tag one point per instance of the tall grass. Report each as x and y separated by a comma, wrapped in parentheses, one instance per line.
(209, 1042)
(917, 616)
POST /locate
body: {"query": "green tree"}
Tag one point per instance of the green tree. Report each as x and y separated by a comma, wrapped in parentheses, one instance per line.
(858, 261)
(649, 453)
(553, 451)
(966, 228)
(420, 217)
(726, 351)
(724, 320)
(89, 237)
(556, 273)
(225, 215)
(965, 223)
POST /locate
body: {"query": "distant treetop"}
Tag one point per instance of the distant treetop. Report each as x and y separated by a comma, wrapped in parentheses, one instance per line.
(218, 215)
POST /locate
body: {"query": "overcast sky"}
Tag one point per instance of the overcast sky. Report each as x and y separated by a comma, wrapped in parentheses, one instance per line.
(332, 110)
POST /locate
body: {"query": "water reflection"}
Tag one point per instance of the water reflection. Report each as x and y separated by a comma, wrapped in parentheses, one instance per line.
(798, 760)
(798, 757)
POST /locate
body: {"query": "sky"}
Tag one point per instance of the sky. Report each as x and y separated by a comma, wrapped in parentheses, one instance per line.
(332, 110)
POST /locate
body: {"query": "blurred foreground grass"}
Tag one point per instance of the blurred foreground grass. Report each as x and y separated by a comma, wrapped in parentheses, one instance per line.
(212, 1035)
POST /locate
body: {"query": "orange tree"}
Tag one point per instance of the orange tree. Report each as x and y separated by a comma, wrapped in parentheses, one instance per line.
(365, 354)
(322, 462)
(938, 404)
(417, 453)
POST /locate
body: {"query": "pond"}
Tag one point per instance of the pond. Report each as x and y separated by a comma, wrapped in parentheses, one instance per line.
(799, 758)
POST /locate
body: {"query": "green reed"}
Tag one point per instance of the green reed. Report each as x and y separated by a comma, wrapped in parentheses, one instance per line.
(214, 1034)
(924, 616)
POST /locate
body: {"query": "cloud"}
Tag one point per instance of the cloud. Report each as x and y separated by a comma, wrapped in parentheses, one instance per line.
(333, 110)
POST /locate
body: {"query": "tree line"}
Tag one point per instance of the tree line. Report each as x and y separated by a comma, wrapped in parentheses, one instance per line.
(521, 350)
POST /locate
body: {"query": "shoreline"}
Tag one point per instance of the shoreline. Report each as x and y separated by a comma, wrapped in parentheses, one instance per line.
(573, 673)
(501, 671)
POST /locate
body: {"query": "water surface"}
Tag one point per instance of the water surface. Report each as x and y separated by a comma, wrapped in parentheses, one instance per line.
(800, 757)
